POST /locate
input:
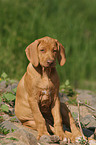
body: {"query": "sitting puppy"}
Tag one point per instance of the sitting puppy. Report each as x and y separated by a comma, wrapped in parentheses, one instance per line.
(37, 103)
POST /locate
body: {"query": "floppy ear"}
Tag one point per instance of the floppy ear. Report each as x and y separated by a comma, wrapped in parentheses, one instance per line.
(61, 56)
(31, 52)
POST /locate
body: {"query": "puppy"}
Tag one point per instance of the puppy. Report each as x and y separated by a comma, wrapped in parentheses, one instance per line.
(37, 103)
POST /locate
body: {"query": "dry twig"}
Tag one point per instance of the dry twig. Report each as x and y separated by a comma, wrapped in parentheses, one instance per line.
(79, 121)
(87, 105)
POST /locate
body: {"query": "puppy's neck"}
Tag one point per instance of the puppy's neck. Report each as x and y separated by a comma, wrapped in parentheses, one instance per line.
(46, 71)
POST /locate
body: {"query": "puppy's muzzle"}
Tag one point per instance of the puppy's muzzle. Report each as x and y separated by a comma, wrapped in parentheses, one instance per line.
(50, 63)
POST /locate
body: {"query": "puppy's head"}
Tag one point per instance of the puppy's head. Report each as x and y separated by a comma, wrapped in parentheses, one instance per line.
(44, 51)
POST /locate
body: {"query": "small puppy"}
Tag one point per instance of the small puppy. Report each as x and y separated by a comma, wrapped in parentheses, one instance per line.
(37, 103)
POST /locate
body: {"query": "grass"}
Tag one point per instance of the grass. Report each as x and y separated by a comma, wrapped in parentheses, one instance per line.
(67, 89)
(13, 138)
(72, 23)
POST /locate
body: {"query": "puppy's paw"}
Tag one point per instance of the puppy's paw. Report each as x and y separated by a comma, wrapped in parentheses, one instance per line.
(61, 135)
(41, 134)
(65, 140)
(59, 132)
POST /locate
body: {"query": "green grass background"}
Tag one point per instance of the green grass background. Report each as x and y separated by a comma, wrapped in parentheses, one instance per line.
(73, 23)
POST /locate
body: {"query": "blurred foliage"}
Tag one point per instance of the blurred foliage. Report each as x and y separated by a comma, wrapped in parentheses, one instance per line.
(13, 138)
(4, 77)
(70, 22)
(4, 130)
(7, 98)
(67, 89)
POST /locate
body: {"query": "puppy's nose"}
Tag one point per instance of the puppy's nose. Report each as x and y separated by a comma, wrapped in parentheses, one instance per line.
(50, 61)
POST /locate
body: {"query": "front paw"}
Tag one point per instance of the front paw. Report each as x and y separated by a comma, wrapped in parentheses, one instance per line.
(59, 132)
(42, 131)
(41, 134)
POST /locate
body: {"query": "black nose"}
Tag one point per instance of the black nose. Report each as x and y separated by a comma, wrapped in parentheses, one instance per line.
(50, 62)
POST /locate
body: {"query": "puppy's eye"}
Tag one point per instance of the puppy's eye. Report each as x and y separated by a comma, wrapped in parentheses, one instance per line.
(42, 50)
(54, 50)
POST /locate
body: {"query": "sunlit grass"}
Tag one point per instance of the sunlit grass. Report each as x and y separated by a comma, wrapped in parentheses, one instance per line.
(72, 23)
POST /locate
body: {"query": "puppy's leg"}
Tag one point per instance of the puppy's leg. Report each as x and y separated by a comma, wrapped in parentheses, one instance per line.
(65, 114)
(58, 126)
(69, 122)
(30, 124)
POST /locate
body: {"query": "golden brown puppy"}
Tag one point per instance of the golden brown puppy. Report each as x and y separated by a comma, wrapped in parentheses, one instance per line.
(37, 103)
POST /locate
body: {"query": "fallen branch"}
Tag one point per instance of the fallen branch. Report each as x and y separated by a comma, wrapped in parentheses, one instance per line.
(79, 121)
(87, 105)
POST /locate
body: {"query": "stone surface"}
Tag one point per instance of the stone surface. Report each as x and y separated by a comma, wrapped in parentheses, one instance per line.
(6, 116)
(88, 97)
(83, 111)
(9, 125)
(50, 139)
(54, 138)
(62, 143)
(22, 138)
(27, 136)
(45, 138)
(89, 121)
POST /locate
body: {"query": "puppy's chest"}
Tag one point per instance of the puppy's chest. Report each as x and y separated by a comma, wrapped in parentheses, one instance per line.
(46, 83)
(45, 99)
(47, 90)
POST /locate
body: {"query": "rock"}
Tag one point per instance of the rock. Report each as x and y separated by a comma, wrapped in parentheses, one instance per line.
(5, 116)
(9, 125)
(27, 136)
(88, 97)
(23, 136)
(45, 138)
(20, 126)
(83, 111)
(62, 143)
(44, 143)
(14, 119)
(49, 139)
(89, 121)
(54, 138)
(87, 115)
(20, 137)
(11, 144)
(9, 141)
